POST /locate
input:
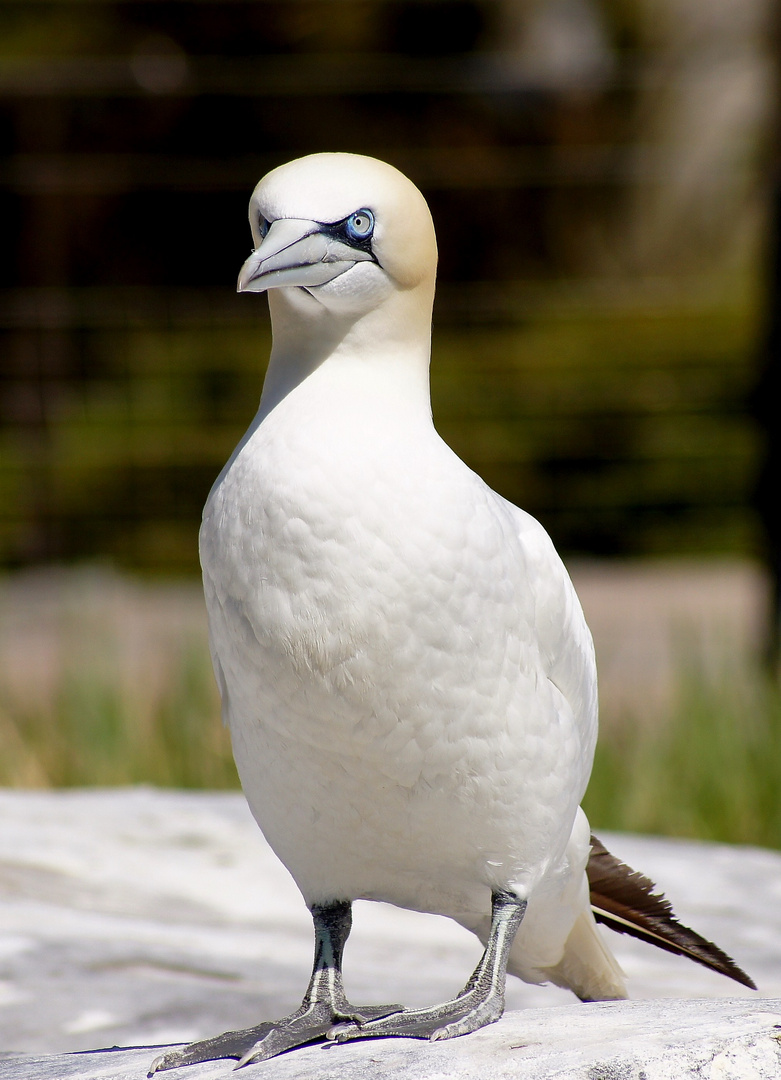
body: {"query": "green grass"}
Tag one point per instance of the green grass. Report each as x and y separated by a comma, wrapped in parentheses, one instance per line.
(709, 768)
(123, 693)
(92, 731)
(622, 426)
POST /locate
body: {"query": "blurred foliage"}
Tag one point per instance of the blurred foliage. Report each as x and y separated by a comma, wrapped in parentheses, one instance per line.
(125, 695)
(107, 681)
(94, 733)
(624, 431)
(592, 170)
(710, 769)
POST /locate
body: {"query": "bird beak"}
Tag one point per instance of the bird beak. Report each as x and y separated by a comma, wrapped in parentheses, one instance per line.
(295, 252)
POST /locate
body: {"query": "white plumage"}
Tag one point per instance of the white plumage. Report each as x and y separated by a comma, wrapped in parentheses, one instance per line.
(404, 666)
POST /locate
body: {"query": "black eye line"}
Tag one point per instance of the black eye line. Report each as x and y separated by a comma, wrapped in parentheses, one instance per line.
(335, 229)
(338, 231)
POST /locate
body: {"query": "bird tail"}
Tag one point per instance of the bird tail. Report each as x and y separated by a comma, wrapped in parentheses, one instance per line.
(587, 966)
(558, 940)
(625, 900)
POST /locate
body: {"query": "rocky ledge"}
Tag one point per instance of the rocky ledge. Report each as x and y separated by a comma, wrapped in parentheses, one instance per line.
(136, 918)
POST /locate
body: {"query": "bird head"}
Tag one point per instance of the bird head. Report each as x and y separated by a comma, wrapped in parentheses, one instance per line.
(341, 231)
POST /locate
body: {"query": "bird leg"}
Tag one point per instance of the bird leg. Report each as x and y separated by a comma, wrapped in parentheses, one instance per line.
(481, 1001)
(325, 1004)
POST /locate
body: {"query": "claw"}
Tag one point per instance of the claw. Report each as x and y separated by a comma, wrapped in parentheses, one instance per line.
(333, 1034)
(232, 1044)
(262, 1050)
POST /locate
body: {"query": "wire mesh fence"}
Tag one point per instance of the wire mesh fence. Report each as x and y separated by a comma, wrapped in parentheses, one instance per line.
(595, 172)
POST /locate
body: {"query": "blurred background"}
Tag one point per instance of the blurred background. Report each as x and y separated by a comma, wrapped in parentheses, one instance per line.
(603, 178)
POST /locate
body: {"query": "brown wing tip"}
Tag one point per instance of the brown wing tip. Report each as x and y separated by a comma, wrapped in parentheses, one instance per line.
(626, 901)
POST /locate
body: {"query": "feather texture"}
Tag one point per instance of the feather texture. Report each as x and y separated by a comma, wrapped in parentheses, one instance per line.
(625, 900)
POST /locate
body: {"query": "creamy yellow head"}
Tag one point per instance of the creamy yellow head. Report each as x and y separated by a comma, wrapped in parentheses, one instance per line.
(345, 248)
(327, 188)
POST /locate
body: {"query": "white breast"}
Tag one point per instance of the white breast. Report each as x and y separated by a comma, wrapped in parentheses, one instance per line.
(405, 670)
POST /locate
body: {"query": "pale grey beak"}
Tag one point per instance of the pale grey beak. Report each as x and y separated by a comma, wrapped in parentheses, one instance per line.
(295, 252)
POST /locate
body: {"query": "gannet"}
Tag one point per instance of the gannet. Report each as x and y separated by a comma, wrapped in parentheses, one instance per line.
(404, 666)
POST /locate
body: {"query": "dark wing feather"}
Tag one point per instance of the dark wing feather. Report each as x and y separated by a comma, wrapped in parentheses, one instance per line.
(624, 900)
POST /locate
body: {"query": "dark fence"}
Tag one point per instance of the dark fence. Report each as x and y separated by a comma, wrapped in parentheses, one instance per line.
(592, 360)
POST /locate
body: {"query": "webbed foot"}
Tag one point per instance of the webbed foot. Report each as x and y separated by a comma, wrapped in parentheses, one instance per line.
(324, 1006)
(460, 1016)
(307, 1025)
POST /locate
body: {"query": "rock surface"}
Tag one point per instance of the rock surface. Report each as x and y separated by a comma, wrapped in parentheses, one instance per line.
(627, 1040)
(139, 918)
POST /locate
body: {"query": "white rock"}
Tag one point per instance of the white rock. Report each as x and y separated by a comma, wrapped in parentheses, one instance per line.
(139, 917)
(617, 1040)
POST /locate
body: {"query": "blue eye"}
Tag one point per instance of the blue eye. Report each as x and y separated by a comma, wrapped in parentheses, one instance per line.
(360, 225)
(262, 226)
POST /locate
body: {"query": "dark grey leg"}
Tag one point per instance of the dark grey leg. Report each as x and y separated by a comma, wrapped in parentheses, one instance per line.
(481, 1001)
(324, 1005)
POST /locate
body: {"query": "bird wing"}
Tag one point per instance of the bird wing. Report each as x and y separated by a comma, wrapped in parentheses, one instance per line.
(625, 900)
(564, 639)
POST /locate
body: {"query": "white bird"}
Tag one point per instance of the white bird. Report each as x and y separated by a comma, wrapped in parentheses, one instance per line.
(404, 666)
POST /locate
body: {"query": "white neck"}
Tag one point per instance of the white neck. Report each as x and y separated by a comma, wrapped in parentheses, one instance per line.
(390, 344)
